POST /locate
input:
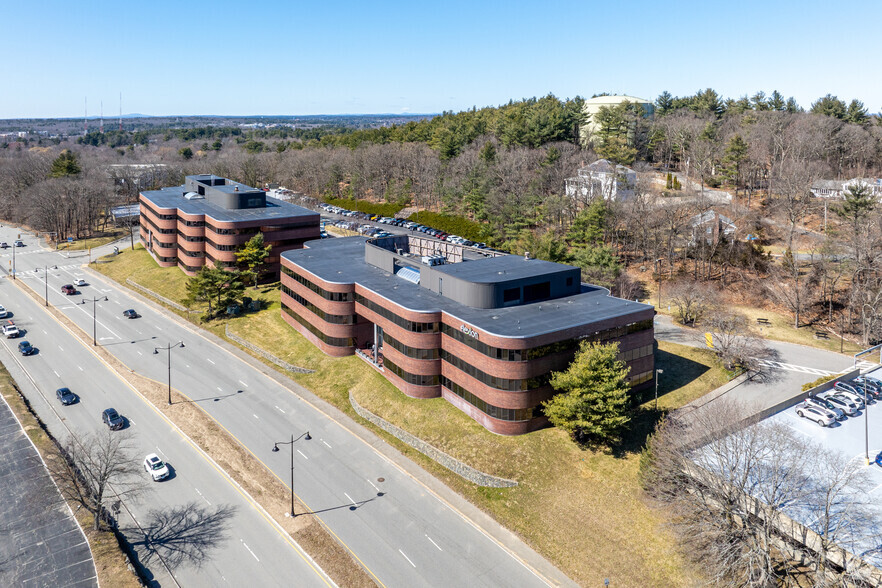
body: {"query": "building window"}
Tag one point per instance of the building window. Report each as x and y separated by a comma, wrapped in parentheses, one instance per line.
(493, 381)
(337, 319)
(415, 379)
(511, 295)
(569, 281)
(412, 352)
(502, 414)
(332, 296)
(413, 326)
(535, 292)
(332, 341)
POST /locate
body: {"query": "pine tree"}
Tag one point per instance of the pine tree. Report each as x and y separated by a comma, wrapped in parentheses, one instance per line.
(669, 183)
(592, 403)
(733, 160)
(252, 255)
(65, 165)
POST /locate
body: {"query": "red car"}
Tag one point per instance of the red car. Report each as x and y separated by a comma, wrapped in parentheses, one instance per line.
(68, 289)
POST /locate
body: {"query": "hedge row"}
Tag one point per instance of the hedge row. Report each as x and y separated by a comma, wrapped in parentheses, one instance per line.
(383, 209)
(451, 224)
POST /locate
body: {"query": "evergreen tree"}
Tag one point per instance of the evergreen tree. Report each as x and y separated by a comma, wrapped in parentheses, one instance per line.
(599, 264)
(830, 106)
(592, 403)
(792, 106)
(65, 164)
(856, 113)
(776, 101)
(589, 226)
(186, 153)
(252, 255)
(218, 287)
(733, 160)
(708, 101)
(758, 101)
(859, 203)
(664, 103)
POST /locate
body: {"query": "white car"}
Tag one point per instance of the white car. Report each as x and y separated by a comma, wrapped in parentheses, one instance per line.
(155, 467)
(80, 282)
(814, 413)
(10, 330)
(850, 392)
(842, 403)
(3, 312)
(825, 404)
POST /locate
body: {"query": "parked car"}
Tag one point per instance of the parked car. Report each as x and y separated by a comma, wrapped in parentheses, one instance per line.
(131, 314)
(873, 388)
(3, 312)
(879, 459)
(827, 405)
(10, 330)
(814, 413)
(65, 396)
(840, 402)
(80, 282)
(849, 391)
(155, 467)
(112, 419)
(68, 289)
(26, 348)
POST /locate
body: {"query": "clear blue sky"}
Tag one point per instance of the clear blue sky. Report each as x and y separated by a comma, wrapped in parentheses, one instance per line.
(328, 57)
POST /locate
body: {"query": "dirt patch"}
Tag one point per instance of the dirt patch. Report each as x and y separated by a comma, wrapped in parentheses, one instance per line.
(246, 470)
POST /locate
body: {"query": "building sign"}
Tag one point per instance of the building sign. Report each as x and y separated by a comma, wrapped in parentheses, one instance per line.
(470, 332)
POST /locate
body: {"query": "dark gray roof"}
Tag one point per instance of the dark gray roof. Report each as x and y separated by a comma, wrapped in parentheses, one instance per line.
(341, 260)
(275, 209)
(502, 268)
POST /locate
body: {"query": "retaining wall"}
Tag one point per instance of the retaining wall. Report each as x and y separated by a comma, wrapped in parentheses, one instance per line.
(265, 354)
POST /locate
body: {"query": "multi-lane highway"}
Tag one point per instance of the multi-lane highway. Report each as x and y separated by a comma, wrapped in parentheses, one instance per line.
(244, 548)
(400, 531)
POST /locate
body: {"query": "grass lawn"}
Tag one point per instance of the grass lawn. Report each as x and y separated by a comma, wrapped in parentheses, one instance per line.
(581, 509)
(106, 237)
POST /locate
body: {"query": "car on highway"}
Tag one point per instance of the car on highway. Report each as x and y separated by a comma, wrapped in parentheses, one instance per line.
(26, 348)
(826, 404)
(80, 282)
(19, 243)
(112, 419)
(131, 313)
(68, 289)
(820, 415)
(879, 459)
(65, 396)
(10, 331)
(3, 312)
(842, 403)
(849, 391)
(3, 244)
(155, 467)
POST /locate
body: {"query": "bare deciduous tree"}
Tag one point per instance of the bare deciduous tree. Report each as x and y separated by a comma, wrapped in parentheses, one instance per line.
(692, 299)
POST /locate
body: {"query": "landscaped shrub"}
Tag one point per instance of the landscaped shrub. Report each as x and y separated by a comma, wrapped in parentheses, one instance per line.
(453, 225)
(384, 209)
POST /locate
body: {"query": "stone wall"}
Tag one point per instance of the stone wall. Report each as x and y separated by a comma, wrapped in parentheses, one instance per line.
(265, 354)
(433, 453)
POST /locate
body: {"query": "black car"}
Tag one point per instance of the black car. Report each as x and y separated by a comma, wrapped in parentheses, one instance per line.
(112, 419)
(131, 314)
(26, 348)
(65, 396)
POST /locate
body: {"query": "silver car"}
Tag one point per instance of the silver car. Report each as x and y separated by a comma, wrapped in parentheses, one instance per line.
(851, 392)
(814, 413)
(838, 413)
(842, 403)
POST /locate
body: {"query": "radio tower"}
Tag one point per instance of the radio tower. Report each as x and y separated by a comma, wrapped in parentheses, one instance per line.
(120, 111)
(85, 116)
(101, 124)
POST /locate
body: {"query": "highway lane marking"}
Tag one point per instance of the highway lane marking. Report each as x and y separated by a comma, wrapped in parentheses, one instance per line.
(280, 410)
(407, 558)
(354, 504)
(81, 368)
(160, 451)
(200, 494)
(44, 332)
(244, 384)
(304, 457)
(56, 373)
(375, 488)
(59, 347)
(219, 389)
(139, 353)
(188, 365)
(433, 543)
(158, 328)
(255, 416)
(209, 361)
(249, 549)
(326, 443)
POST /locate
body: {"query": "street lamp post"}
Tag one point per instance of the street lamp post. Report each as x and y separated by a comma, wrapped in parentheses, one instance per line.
(657, 372)
(658, 276)
(168, 348)
(866, 422)
(46, 281)
(94, 314)
(291, 443)
(13, 260)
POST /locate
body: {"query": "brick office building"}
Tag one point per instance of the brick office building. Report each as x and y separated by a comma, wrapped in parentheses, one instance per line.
(208, 219)
(484, 334)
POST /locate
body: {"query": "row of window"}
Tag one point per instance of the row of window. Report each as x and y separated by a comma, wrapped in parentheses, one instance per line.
(413, 352)
(332, 341)
(157, 215)
(189, 253)
(337, 319)
(189, 268)
(503, 414)
(223, 247)
(220, 262)
(146, 220)
(542, 350)
(247, 231)
(190, 223)
(493, 381)
(640, 378)
(415, 379)
(190, 238)
(413, 326)
(637, 353)
(332, 296)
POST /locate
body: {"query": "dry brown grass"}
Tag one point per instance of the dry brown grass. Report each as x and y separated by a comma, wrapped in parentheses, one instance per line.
(237, 461)
(111, 562)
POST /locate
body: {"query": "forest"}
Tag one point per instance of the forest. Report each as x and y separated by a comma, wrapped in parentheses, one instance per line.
(751, 159)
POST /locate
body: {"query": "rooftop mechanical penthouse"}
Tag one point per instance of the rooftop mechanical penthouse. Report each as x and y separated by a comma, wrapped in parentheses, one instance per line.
(485, 334)
(208, 219)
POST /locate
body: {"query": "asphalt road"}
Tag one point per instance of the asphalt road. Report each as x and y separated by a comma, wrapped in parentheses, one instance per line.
(249, 550)
(40, 542)
(402, 533)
